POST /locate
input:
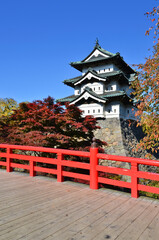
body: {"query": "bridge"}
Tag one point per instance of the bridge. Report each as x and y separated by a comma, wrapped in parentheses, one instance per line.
(40, 208)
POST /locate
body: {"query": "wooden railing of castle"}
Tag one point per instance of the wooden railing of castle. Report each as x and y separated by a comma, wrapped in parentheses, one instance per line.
(8, 154)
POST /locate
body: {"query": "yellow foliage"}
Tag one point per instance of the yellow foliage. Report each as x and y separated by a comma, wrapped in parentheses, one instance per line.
(7, 107)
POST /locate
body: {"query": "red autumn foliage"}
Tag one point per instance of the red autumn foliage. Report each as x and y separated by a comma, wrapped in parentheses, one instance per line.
(48, 124)
(146, 87)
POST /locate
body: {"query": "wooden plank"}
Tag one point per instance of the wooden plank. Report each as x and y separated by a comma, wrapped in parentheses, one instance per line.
(148, 189)
(113, 212)
(65, 198)
(33, 204)
(41, 229)
(99, 212)
(136, 228)
(52, 217)
(23, 199)
(116, 227)
(33, 215)
(115, 170)
(152, 231)
(38, 208)
(114, 182)
(26, 228)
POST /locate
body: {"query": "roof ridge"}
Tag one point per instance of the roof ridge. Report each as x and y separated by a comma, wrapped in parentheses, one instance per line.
(105, 51)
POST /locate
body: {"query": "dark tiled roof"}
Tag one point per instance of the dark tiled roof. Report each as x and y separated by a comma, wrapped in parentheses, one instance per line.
(76, 79)
(72, 81)
(106, 96)
(66, 99)
(89, 90)
(78, 65)
(100, 49)
(116, 59)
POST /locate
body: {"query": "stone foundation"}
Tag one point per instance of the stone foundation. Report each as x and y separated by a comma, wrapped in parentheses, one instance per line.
(122, 138)
(110, 131)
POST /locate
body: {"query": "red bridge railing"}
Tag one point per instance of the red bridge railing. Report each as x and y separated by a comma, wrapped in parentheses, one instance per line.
(8, 154)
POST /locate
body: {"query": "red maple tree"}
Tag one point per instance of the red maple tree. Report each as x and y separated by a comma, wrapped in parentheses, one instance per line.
(48, 124)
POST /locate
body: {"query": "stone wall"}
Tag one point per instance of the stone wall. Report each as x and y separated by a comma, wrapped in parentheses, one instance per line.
(110, 131)
(122, 137)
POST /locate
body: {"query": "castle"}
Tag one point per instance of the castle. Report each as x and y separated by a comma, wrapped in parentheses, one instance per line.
(103, 88)
(103, 91)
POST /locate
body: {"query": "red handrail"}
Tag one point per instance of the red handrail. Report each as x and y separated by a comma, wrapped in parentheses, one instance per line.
(8, 154)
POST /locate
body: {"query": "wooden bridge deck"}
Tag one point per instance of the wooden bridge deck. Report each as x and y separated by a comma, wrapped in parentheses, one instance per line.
(40, 208)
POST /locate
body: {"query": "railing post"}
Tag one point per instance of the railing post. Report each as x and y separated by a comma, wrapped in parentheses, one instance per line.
(134, 180)
(32, 172)
(60, 178)
(93, 165)
(9, 168)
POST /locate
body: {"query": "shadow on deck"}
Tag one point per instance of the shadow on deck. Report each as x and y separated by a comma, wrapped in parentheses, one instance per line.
(40, 208)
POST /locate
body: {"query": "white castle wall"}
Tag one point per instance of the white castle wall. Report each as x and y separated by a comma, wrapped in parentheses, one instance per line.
(102, 69)
(97, 87)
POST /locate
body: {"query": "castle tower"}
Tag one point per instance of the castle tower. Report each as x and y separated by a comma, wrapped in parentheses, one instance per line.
(102, 90)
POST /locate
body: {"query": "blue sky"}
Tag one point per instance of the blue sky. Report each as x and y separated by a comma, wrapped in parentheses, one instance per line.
(39, 38)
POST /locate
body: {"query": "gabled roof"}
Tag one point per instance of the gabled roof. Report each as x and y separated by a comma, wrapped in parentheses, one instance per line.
(101, 56)
(98, 53)
(88, 93)
(88, 75)
(102, 76)
(116, 59)
(106, 97)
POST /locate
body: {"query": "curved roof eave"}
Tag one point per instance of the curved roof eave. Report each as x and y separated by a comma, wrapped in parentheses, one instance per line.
(96, 76)
(105, 76)
(98, 47)
(117, 59)
(90, 94)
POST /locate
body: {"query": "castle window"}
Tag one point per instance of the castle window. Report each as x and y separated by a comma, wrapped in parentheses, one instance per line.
(108, 110)
(111, 88)
(106, 88)
(109, 69)
(94, 88)
(88, 111)
(93, 111)
(114, 110)
(98, 88)
(99, 110)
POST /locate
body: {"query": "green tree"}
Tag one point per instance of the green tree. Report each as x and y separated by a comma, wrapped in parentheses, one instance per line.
(146, 87)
